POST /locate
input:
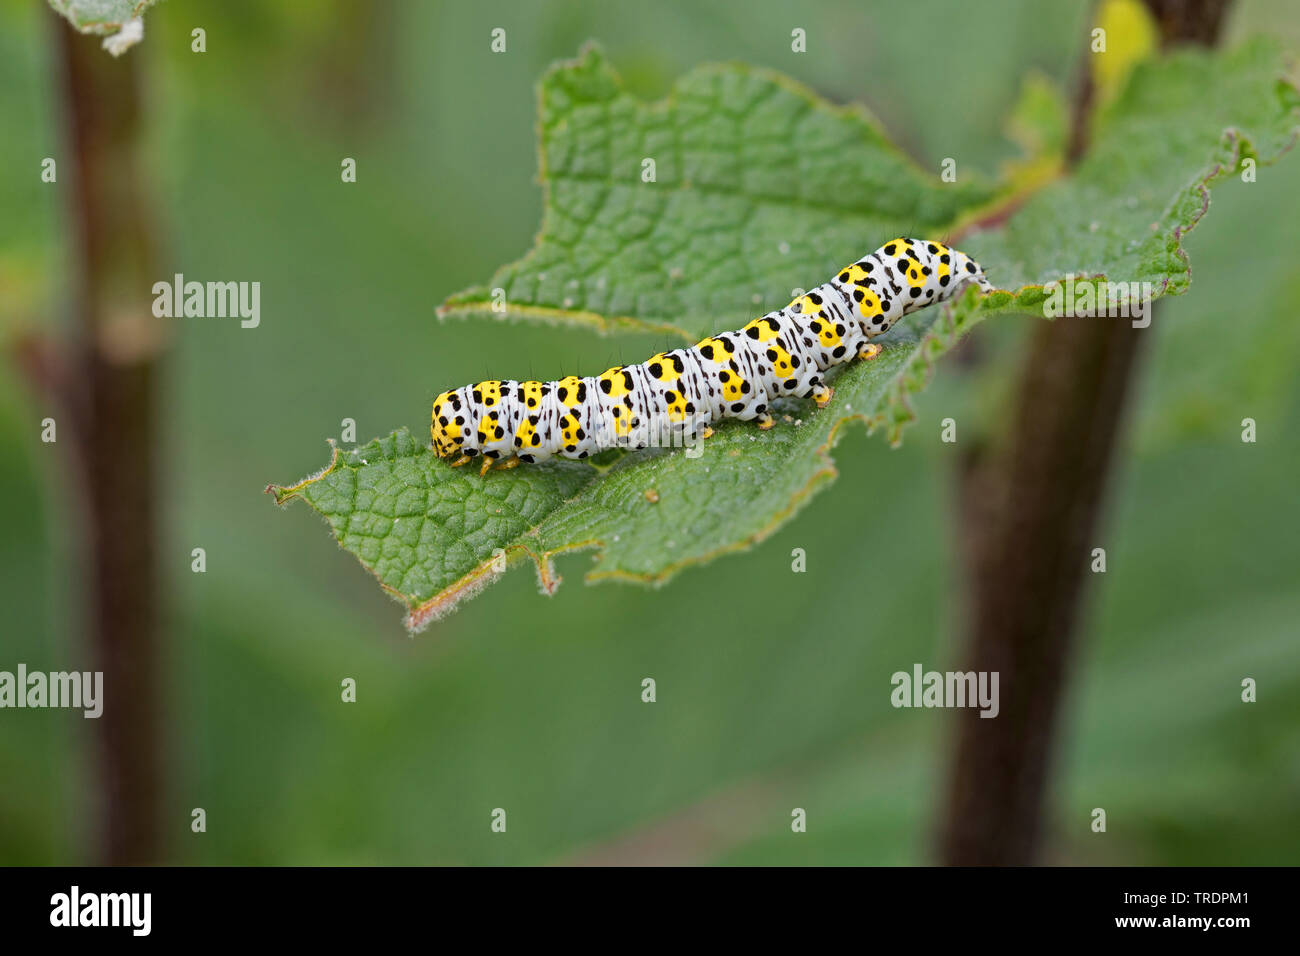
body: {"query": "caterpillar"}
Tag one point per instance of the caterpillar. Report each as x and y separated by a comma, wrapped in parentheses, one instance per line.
(673, 397)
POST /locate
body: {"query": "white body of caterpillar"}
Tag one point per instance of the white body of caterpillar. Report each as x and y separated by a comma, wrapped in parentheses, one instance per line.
(672, 398)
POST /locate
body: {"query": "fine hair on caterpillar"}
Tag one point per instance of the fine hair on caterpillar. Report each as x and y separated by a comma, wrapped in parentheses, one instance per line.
(672, 398)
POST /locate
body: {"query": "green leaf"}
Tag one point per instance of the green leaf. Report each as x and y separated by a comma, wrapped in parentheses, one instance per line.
(737, 212)
(116, 20)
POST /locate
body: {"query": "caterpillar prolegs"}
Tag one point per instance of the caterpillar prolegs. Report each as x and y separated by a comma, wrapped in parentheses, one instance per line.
(673, 397)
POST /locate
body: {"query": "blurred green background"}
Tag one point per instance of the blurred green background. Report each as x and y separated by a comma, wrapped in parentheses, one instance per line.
(773, 691)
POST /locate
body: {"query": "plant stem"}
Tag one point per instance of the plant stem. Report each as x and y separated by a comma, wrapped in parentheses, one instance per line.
(110, 397)
(1029, 511)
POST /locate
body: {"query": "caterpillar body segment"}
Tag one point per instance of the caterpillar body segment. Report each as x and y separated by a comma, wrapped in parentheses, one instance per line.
(673, 397)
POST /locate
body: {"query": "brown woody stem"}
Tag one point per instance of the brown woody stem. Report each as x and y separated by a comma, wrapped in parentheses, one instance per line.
(1030, 509)
(110, 396)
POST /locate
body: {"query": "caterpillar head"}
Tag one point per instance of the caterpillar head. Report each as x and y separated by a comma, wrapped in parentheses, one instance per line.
(965, 269)
(448, 429)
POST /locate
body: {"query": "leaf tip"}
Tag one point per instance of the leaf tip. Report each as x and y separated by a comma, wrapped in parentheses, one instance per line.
(286, 493)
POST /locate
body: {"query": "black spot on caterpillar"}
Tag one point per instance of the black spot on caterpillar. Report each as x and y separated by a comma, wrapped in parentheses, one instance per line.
(672, 397)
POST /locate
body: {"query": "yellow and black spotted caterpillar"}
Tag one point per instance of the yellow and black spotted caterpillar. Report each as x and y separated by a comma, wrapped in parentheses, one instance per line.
(673, 397)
